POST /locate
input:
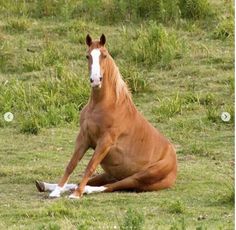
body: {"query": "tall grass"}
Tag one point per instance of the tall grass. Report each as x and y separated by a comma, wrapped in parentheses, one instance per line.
(110, 11)
(224, 29)
(168, 107)
(50, 102)
(195, 9)
(155, 46)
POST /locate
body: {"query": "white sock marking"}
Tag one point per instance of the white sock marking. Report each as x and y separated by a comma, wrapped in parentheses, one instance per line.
(67, 187)
(93, 189)
(56, 192)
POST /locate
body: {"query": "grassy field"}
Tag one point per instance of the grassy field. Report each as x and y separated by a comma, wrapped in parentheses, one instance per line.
(178, 60)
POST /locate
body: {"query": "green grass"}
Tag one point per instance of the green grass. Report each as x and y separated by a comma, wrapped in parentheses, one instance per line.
(181, 74)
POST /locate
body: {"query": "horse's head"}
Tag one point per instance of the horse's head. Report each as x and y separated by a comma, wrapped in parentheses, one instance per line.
(96, 56)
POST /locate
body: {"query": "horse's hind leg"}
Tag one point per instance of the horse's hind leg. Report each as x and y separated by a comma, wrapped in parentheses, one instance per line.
(167, 182)
(158, 176)
(95, 184)
(101, 179)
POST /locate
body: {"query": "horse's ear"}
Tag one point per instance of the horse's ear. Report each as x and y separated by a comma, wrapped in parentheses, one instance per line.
(102, 40)
(88, 40)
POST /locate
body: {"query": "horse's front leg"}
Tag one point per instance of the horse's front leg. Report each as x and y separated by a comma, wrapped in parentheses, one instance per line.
(80, 149)
(49, 187)
(102, 148)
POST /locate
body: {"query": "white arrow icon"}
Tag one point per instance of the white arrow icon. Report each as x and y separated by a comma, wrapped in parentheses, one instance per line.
(225, 116)
(8, 116)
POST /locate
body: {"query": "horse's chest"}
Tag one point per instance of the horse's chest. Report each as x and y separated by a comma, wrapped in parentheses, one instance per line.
(93, 126)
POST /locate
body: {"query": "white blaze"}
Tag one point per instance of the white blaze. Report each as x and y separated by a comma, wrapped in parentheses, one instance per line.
(95, 68)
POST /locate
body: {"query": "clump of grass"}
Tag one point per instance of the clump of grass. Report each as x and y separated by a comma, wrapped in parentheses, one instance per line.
(49, 55)
(230, 84)
(59, 209)
(207, 99)
(229, 196)
(168, 108)
(17, 24)
(59, 9)
(132, 220)
(176, 207)
(195, 9)
(135, 79)
(154, 45)
(161, 11)
(213, 113)
(51, 226)
(179, 225)
(31, 63)
(224, 29)
(9, 60)
(30, 126)
(196, 149)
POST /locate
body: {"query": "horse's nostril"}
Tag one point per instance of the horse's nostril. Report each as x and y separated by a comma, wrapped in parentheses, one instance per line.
(91, 80)
(100, 78)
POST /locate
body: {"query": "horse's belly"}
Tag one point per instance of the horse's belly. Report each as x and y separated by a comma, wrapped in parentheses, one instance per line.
(118, 165)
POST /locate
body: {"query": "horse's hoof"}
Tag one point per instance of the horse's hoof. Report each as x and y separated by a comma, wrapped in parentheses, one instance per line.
(40, 186)
(73, 196)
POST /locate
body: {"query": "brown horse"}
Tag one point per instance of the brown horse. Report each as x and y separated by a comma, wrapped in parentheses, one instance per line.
(133, 154)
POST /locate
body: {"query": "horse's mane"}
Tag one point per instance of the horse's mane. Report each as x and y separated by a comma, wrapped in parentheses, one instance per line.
(121, 89)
